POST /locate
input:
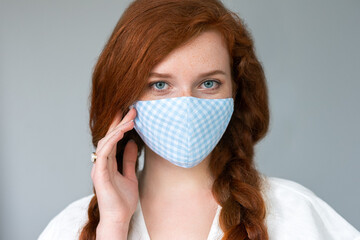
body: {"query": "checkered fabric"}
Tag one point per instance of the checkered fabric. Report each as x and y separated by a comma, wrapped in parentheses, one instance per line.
(183, 130)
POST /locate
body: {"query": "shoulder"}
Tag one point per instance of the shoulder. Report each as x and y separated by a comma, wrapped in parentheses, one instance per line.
(67, 224)
(295, 212)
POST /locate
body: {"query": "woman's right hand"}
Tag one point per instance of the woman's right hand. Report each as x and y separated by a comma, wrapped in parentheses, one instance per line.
(117, 194)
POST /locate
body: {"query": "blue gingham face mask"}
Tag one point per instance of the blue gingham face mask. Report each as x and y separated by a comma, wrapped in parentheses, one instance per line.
(183, 130)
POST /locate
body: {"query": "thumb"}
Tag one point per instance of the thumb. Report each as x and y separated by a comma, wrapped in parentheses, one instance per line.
(129, 160)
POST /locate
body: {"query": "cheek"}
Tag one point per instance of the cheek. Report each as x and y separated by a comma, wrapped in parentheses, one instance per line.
(144, 96)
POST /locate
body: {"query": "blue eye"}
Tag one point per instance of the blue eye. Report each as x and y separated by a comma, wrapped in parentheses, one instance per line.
(210, 83)
(159, 86)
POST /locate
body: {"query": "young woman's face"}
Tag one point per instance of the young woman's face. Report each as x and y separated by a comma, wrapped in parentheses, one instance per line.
(200, 69)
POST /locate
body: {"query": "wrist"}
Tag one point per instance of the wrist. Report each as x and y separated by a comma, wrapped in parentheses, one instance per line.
(112, 230)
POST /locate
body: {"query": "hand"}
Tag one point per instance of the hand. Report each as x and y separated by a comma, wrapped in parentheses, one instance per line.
(117, 194)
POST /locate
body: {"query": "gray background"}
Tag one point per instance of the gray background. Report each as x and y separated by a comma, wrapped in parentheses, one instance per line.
(310, 52)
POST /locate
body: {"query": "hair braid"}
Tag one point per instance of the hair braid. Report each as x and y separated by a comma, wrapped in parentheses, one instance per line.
(237, 185)
(238, 190)
(89, 230)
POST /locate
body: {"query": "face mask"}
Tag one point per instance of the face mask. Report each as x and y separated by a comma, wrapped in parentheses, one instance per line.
(183, 130)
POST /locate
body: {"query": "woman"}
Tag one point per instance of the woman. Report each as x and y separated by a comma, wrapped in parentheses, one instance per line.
(179, 80)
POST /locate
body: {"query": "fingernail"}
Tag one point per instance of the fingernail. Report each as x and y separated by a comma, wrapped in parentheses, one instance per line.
(127, 123)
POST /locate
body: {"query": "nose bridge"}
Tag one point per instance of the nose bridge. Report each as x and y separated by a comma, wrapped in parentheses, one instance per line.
(186, 91)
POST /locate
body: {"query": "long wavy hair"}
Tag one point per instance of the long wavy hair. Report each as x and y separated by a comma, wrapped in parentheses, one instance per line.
(145, 34)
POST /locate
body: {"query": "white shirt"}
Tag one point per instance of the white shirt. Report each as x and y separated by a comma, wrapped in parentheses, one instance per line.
(293, 212)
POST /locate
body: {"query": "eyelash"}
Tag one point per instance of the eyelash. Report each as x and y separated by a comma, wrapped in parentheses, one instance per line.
(209, 80)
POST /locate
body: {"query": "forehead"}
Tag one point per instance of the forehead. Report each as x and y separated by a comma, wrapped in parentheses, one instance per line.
(202, 53)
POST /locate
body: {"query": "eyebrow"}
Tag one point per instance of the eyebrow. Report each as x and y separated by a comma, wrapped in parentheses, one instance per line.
(202, 75)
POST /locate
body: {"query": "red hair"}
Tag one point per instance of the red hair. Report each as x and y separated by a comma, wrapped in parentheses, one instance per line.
(146, 33)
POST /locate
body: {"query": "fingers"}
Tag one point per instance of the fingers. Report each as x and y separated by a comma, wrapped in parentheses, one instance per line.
(129, 160)
(115, 122)
(128, 117)
(110, 143)
(106, 147)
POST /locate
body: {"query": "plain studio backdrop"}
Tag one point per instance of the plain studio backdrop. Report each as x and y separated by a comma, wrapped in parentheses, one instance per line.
(311, 56)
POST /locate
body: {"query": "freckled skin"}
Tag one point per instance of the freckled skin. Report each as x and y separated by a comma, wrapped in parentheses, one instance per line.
(202, 54)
